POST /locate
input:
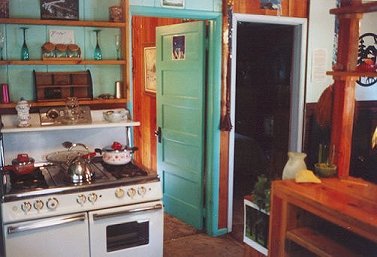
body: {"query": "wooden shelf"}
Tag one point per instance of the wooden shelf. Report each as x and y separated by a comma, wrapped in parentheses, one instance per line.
(100, 102)
(10, 123)
(319, 244)
(65, 62)
(362, 8)
(352, 74)
(103, 24)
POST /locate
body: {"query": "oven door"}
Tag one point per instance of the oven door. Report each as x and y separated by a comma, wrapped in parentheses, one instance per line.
(134, 230)
(60, 236)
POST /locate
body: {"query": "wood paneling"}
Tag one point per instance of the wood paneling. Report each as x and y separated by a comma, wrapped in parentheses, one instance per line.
(144, 35)
(291, 8)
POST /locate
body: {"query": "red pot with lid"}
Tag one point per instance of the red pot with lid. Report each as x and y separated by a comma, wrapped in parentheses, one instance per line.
(23, 164)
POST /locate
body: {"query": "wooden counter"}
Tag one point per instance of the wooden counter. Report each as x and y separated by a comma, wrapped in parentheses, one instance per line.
(335, 218)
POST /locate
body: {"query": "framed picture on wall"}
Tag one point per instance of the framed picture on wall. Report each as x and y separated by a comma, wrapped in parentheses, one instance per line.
(60, 10)
(150, 69)
(173, 3)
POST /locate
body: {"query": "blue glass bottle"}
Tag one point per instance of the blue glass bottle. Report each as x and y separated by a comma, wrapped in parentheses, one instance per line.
(97, 49)
(24, 48)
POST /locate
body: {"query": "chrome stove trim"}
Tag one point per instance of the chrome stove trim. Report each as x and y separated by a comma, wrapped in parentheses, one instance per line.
(120, 213)
(46, 224)
(81, 188)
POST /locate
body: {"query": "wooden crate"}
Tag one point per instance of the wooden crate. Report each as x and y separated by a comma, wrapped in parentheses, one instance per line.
(52, 86)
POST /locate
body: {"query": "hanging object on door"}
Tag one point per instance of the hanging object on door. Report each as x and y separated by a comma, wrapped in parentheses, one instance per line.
(226, 123)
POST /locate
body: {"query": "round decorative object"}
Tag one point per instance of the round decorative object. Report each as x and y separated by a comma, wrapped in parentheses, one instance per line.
(367, 58)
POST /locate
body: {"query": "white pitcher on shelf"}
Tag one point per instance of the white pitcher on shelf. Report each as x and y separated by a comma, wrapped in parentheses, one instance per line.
(294, 164)
(23, 108)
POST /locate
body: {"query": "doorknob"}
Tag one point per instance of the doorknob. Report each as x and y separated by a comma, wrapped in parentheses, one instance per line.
(158, 133)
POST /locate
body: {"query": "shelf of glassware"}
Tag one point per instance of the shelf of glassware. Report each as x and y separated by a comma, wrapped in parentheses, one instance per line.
(10, 123)
(102, 24)
(92, 102)
(65, 62)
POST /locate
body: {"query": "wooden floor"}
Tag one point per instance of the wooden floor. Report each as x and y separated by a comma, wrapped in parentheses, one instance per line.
(182, 240)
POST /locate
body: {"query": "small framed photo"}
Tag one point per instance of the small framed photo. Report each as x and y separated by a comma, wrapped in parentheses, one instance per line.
(173, 3)
(178, 50)
(60, 10)
(150, 69)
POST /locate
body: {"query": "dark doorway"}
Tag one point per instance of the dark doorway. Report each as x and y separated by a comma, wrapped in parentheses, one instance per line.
(262, 107)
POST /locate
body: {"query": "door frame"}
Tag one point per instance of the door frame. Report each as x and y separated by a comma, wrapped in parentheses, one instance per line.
(213, 101)
(298, 87)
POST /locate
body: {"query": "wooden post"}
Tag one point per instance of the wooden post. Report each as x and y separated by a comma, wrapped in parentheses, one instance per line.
(344, 88)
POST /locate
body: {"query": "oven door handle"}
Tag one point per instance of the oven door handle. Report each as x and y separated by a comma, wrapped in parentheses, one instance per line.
(46, 223)
(97, 216)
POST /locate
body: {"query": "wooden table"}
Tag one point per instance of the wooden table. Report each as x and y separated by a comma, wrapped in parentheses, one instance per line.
(335, 218)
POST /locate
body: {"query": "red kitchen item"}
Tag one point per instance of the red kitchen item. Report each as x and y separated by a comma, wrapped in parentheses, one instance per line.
(23, 164)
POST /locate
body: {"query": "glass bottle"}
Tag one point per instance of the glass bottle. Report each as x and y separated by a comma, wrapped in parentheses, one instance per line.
(24, 48)
(294, 164)
(97, 49)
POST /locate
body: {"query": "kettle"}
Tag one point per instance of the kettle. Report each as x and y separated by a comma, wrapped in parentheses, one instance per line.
(79, 169)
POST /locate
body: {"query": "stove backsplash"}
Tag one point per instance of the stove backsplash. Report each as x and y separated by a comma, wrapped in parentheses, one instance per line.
(38, 144)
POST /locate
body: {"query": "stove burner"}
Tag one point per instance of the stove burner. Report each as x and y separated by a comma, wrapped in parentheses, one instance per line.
(33, 180)
(124, 171)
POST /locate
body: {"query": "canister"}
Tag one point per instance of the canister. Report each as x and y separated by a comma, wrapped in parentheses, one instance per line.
(118, 89)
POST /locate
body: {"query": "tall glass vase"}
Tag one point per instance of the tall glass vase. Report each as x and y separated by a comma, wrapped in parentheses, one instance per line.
(97, 49)
(24, 48)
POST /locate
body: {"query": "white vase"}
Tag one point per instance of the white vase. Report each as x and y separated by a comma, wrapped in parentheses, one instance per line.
(294, 164)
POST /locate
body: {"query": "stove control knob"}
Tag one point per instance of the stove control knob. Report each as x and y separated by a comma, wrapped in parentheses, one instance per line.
(38, 204)
(131, 192)
(142, 191)
(92, 197)
(26, 206)
(119, 192)
(81, 199)
(52, 203)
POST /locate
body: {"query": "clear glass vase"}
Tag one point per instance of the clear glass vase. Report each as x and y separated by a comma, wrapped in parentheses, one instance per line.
(295, 163)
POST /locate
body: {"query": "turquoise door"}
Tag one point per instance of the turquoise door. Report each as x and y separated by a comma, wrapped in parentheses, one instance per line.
(181, 67)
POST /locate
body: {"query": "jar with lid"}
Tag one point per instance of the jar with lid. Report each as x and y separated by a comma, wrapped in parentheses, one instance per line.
(61, 50)
(116, 13)
(48, 50)
(23, 115)
(73, 51)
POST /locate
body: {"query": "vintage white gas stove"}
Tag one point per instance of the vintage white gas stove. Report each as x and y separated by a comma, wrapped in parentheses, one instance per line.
(116, 214)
